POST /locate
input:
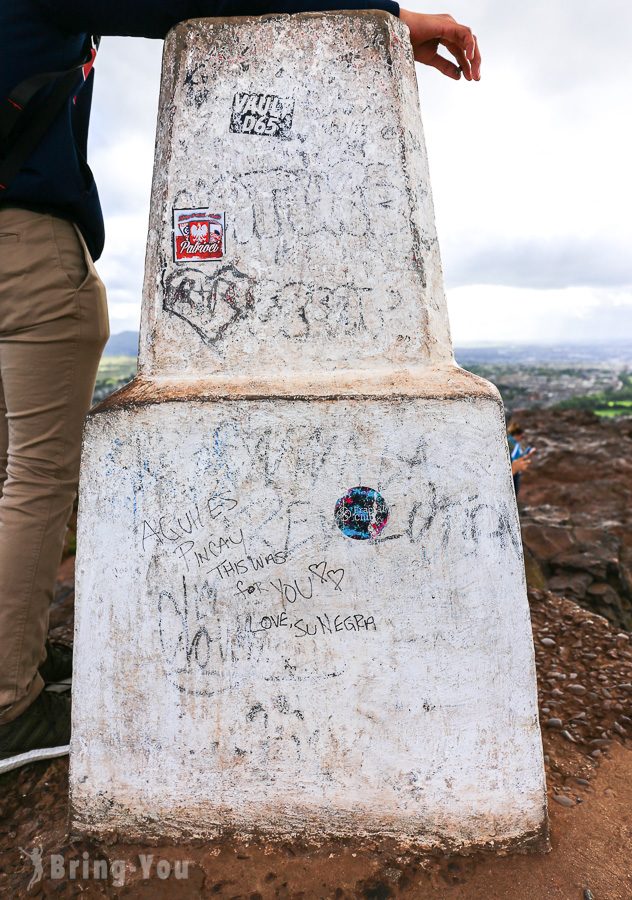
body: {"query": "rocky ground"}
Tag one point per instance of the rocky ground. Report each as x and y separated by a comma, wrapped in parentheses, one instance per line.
(581, 481)
(576, 515)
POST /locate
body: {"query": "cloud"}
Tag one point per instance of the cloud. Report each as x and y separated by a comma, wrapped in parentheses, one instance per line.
(530, 167)
(484, 313)
(538, 263)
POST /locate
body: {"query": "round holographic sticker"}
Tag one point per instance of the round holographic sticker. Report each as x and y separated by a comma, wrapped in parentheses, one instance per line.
(361, 514)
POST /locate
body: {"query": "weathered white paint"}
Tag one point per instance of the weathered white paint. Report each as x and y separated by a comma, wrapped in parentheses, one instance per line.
(256, 668)
(332, 249)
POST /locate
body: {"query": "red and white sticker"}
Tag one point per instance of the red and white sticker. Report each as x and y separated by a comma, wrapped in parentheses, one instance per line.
(198, 234)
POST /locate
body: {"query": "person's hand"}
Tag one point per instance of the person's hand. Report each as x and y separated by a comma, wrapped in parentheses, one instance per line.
(428, 33)
(520, 465)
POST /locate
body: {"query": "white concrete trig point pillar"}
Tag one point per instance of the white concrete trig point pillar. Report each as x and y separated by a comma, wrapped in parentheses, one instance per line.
(301, 604)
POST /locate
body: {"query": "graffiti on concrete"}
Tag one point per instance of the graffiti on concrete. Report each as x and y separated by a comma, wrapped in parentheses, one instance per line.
(209, 302)
(319, 626)
(245, 569)
(298, 210)
(181, 521)
(262, 114)
(232, 585)
(188, 631)
(299, 203)
(227, 569)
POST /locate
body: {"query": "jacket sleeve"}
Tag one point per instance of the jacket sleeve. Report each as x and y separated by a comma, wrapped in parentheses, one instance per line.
(154, 18)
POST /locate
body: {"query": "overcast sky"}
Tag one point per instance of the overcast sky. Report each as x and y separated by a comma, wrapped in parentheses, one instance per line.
(530, 171)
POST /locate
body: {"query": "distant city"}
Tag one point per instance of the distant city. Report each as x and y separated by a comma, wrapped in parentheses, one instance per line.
(612, 353)
(593, 377)
(617, 353)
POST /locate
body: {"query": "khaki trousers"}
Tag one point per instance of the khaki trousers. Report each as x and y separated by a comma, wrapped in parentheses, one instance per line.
(53, 327)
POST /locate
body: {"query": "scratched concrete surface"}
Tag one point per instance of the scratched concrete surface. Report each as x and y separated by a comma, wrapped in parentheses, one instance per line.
(298, 539)
(331, 249)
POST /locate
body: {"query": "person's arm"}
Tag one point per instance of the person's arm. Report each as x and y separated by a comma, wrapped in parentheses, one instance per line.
(520, 465)
(154, 18)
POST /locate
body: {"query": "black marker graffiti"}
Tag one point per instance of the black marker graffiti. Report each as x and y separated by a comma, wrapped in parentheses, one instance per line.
(320, 571)
(322, 625)
(209, 303)
(181, 523)
(187, 626)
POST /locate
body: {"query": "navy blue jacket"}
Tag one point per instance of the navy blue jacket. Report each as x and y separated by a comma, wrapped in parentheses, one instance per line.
(52, 36)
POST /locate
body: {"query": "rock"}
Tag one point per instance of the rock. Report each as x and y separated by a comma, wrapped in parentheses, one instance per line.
(577, 689)
(554, 723)
(608, 595)
(598, 589)
(563, 801)
(547, 642)
(598, 541)
(546, 541)
(575, 583)
(581, 561)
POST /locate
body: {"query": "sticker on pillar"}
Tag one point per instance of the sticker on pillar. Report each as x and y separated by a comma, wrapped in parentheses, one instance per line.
(361, 514)
(198, 235)
(263, 114)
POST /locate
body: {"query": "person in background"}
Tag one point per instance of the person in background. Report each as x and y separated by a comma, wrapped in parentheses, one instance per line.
(53, 311)
(521, 457)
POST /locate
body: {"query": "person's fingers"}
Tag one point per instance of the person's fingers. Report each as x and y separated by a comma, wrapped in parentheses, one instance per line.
(460, 35)
(476, 62)
(445, 66)
(462, 60)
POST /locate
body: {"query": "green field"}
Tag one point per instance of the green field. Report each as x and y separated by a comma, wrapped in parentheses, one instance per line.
(624, 408)
(114, 372)
(117, 367)
(607, 404)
